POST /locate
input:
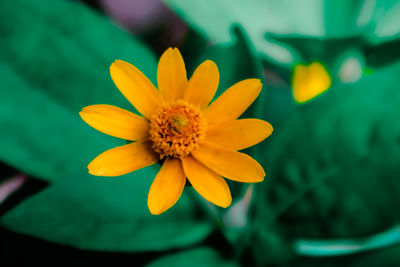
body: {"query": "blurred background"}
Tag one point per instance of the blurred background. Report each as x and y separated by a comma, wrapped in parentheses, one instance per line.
(332, 189)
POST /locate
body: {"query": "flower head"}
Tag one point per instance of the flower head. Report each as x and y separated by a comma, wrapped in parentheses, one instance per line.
(195, 139)
(309, 81)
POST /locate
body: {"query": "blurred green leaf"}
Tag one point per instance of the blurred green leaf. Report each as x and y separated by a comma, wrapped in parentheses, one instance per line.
(62, 58)
(215, 18)
(324, 50)
(65, 49)
(373, 21)
(198, 257)
(108, 216)
(381, 19)
(48, 72)
(382, 257)
(343, 58)
(369, 25)
(39, 136)
(340, 247)
(334, 164)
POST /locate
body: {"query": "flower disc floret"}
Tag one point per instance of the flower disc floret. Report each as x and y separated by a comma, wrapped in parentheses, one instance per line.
(176, 129)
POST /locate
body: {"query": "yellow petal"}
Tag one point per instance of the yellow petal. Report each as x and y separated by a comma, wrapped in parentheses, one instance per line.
(171, 75)
(135, 86)
(239, 134)
(233, 102)
(207, 183)
(309, 81)
(203, 84)
(124, 159)
(229, 163)
(115, 121)
(167, 187)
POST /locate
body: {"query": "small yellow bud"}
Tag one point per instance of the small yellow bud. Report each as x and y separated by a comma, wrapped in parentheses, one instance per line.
(309, 81)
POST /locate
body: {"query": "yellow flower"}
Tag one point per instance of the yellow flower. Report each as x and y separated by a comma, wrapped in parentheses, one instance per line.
(309, 81)
(196, 140)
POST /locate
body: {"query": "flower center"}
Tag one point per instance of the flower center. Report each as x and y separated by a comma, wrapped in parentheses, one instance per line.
(176, 129)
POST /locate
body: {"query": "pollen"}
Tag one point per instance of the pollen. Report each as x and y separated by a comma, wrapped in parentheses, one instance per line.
(176, 129)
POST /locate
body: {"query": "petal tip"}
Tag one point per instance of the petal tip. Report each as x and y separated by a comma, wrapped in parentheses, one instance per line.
(262, 176)
(155, 212)
(211, 62)
(169, 50)
(227, 204)
(255, 80)
(268, 128)
(95, 172)
(258, 84)
(175, 49)
(258, 179)
(156, 209)
(116, 62)
(84, 109)
(83, 115)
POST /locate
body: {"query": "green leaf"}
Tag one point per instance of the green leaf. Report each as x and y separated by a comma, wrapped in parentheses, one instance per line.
(319, 49)
(198, 257)
(340, 247)
(374, 21)
(63, 56)
(39, 136)
(333, 165)
(107, 215)
(215, 18)
(48, 76)
(66, 49)
(382, 20)
(382, 257)
(343, 58)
